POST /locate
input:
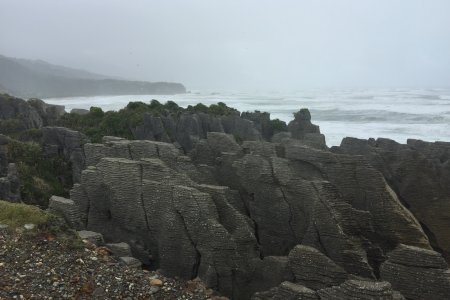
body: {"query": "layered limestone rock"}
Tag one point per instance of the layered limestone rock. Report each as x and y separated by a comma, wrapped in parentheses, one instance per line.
(358, 289)
(292, 189)
(302, 129)
(419, 172)
(249, 217)
(231, 214)
(23, 115)
(189, 128)
(287, 291)
(417, 273)
(315, 270)
(137, 192)
(60, 141)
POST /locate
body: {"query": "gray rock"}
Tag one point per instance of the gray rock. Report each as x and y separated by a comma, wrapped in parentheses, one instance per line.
(287, 291)
(417, 273)
(358, 289)
(119, 249)
(419, 172)
(313, 269)
(60, 141)
(67, 209)
(93, 237)
(131, 262)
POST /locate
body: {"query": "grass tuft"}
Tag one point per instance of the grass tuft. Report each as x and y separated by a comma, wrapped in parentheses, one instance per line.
(18, 214)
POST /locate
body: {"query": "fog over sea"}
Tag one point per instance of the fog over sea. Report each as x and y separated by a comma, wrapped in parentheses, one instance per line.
(397, 114)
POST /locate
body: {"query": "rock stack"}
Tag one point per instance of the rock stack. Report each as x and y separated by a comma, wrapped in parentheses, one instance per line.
(249, 217)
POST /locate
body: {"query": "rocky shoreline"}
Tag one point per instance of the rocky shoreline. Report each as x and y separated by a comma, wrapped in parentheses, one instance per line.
(256, 212)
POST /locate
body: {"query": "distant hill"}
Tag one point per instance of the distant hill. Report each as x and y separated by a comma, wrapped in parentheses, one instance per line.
(36, 78)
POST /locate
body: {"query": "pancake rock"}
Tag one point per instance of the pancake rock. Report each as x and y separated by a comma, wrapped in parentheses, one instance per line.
(249, 217)
(417, 273)
(419, 172)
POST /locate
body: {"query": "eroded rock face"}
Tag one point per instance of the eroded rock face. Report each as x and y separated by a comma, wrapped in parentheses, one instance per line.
(60, 141)
(33, 113)
(244, 218)
(419, 172)
(417, 273)
(302, 129)
(358, 289)
(138, 193)
(313, 269)
(188, 129)
(287, 291)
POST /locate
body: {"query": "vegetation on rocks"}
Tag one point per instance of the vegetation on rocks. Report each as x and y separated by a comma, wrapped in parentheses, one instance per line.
(18, 214)
(40, 176)
(98, 123)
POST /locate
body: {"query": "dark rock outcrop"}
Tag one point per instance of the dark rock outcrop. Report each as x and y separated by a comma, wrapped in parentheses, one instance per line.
(60, 141)
(417, 273)
(287, 291)
(419, 172)
(358, 289)
(189, 128)
(217, 213)
(17, 115)
(314, 269)
(302, 129)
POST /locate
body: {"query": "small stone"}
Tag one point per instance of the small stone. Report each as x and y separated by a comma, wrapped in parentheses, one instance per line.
(29, 226)
(93, 237)
(156, 282)
(131, 262)
(99, 291)
(3, 226)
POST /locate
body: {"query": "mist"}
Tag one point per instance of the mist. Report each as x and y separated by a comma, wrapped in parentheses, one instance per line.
(238, 45)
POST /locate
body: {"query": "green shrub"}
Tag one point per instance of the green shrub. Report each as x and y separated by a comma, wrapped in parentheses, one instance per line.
(11, 127)
(278, 125)
(40, 176)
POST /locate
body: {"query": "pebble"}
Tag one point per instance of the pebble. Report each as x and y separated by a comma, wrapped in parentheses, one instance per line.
(29, 226)
(156, 282)
(40, 268)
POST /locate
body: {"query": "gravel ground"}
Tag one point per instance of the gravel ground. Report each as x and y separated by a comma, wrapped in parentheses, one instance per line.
(39, 265)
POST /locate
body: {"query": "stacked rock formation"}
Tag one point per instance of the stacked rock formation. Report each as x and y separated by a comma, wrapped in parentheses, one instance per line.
(245, 218)
(33, 113)
(419, 172)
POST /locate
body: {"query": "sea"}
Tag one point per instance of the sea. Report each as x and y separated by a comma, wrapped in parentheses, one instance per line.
(398, 114)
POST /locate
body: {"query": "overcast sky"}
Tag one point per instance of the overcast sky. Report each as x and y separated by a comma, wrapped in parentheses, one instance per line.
(239, 45)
